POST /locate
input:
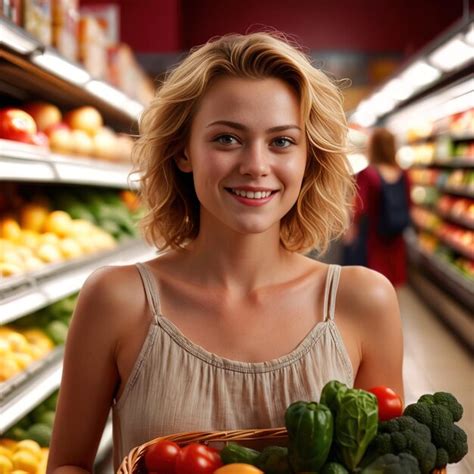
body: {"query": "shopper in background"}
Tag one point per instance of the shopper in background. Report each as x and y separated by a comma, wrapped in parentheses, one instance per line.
(381, 212)
(243, 164)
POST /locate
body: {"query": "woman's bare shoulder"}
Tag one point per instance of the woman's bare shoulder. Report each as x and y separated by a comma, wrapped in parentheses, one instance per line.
(365, 291)
(115, 293)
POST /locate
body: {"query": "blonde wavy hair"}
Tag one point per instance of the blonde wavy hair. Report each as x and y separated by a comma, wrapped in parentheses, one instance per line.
(321, 212)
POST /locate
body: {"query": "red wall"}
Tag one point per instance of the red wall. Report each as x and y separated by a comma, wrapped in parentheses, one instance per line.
(154, 26)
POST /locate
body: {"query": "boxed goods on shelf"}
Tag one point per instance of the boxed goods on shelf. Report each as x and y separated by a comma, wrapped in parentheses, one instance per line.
(92, 47)
(65, 22)
(37, 19)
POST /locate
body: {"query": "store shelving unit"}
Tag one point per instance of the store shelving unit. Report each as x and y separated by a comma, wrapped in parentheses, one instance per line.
(31, 71)
(437, 175)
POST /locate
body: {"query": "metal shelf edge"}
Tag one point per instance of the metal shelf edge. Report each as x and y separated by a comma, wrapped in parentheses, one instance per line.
(65, 283)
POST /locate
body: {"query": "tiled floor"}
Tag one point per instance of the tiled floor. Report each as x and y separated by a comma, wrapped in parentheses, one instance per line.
(434, 361)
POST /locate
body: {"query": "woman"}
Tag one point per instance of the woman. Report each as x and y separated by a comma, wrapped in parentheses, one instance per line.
(243, 170)
(381, 212)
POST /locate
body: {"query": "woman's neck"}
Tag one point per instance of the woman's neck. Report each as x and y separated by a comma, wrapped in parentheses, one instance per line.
(238, 262)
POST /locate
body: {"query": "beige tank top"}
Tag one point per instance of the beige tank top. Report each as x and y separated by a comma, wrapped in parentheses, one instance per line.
(177, 386)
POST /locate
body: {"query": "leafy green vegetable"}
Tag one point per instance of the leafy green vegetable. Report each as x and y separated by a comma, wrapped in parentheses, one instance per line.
(355, 425)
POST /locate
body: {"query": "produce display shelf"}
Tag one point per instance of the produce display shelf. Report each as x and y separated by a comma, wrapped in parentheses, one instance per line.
(464, 162)
(451, 279)
(464, 192)
(24, 392)
(22, 295)
(31, 70)
(21, 161)
(464, 136)
(466, 223)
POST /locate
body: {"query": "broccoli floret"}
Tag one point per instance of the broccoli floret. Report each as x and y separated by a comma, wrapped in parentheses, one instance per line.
(442, 457)
(446, 399)
(436, 417)
(417, 441)
(438, 412)
(393, 464)
(457, 448)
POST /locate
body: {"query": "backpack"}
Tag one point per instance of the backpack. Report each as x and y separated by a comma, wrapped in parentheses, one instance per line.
(394, 214)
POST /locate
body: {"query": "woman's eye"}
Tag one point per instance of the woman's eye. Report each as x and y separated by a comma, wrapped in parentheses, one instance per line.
(283, 142)
(226, 140)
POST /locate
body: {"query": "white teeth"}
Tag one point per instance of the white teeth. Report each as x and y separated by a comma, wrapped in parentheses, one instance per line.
(251, 194)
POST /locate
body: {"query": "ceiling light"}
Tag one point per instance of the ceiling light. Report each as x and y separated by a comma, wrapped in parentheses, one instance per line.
(381, 103)
(452, 54)
(420, 74)
(398, 89)
(108, 94)
(61, 67)
(16, 39)
(364, 118)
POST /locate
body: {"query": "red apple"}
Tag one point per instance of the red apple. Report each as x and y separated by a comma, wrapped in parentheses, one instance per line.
(60, 139)
(84, 118)
(45, 114)
(16, 124)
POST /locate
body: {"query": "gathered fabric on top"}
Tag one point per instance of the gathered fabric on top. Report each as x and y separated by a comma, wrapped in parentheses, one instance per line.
(177, 386)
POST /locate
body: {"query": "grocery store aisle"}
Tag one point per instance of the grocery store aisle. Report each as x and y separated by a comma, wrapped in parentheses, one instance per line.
(435, 361)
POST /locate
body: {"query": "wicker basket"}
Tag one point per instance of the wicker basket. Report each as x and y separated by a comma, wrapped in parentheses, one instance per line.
(134, 462)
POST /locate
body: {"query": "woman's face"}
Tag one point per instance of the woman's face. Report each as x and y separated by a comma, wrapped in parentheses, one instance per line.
(247, 152)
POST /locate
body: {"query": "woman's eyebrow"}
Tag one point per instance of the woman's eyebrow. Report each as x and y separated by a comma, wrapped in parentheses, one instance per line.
(239, 126)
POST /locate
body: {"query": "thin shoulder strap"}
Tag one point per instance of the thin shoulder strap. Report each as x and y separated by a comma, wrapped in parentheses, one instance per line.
(330, 292)
(151, 291)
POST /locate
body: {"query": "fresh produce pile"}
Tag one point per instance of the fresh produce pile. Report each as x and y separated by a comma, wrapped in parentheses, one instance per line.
(53, 225)
(80, 131)
(24, 457)
(32, 337)
(37, 426)
(348, 431)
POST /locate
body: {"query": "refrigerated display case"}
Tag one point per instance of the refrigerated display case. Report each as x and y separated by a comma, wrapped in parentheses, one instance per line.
(30, 72)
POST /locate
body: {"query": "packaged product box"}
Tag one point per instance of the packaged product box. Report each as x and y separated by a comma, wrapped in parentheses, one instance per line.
(65, 15)
(37, 19)
(92, 48)
(108, 17)
(11, 9)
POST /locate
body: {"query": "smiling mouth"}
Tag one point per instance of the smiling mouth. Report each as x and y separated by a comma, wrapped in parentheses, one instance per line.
(250, 194)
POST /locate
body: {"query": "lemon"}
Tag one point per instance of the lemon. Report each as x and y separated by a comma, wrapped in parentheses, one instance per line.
(49, 253)
(18, 342)
(70, 248)
(58, 222)
(8, 368)
(9, 229)
(29, 238)
(29, 445)
(22, 359)
(6, 466)
(48, 238)
(26, 461)
(5, 451)
(5, 347)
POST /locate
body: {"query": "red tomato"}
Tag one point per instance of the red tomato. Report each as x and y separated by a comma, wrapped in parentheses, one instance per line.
(390, 404)
(161, 457)
(16, 124)
(197, 458)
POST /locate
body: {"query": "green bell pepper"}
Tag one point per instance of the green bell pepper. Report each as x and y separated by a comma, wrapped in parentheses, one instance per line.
(310, 431)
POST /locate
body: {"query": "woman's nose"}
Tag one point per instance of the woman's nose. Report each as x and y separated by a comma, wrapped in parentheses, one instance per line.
(255, 161)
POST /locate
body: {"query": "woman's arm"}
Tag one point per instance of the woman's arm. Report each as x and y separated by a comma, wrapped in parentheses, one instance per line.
(90, 377)
(370, 309)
